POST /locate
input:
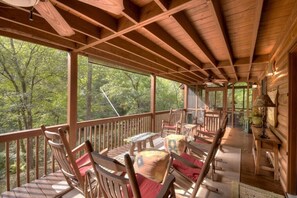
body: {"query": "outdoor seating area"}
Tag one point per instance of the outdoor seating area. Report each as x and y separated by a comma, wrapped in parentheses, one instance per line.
(172, 166)
(148, 98)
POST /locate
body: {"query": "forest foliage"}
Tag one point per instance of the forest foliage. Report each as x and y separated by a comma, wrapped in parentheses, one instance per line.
(33, 88)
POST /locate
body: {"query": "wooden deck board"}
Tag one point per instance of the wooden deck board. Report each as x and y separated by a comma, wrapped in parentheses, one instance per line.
(21, 192)
(8, 194)
(34, 190)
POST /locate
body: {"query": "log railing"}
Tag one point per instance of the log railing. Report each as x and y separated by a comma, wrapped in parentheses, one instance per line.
(26, 156)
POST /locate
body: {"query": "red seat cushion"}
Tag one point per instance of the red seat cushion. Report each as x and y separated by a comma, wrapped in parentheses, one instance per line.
(148, 188)
(170, 126)
(84, 164)
(200, 141)
(190, 172)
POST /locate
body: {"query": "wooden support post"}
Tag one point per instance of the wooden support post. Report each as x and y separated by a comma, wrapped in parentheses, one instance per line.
(72, 98)
(153, 101)
(225, 105)
(186, 105)
(247, 101)
(292, 139)
(233, 105)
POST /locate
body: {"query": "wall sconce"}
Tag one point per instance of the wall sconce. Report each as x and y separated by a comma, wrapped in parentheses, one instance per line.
(270, 69)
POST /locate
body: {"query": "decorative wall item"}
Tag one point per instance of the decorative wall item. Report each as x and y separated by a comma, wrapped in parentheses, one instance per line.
(272, 111)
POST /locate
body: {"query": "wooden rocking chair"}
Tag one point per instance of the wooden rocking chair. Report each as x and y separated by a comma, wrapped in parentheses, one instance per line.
(190, 170)
(113, 182)
(174, 122)
(73, 169)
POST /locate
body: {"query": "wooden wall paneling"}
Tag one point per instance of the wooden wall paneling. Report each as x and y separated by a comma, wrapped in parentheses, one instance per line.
(292, 146)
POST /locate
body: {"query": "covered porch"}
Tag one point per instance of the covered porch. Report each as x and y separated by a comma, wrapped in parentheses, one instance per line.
(212, 47)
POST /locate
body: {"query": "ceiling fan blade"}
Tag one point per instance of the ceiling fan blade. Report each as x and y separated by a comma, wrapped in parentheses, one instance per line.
(54, 18)
(112, 6)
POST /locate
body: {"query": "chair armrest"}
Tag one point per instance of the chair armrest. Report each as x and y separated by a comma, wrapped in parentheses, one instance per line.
(206, 133)
(104, 152)
(202, 139)
(200, 153)
(79, 148)
(167, 188)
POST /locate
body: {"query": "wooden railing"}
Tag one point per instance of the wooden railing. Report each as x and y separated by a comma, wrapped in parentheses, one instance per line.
(111, 132)
(161, 115)
(28, 157)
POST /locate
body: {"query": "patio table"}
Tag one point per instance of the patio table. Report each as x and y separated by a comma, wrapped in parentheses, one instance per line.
(140, 141)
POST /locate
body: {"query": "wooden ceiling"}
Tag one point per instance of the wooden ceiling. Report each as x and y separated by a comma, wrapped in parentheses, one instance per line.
(182, 40)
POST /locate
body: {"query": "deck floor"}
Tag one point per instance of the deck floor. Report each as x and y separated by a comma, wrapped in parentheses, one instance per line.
(55, 183)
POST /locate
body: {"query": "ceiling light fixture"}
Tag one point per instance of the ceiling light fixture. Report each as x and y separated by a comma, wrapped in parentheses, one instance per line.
(270, 69)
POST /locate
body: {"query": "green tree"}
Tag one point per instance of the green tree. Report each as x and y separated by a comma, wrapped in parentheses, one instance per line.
(29, 75)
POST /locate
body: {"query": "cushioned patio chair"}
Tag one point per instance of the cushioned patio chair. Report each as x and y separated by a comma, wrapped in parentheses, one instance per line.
(115, 183)
(189, 169)
(73, 169)
(174, 122)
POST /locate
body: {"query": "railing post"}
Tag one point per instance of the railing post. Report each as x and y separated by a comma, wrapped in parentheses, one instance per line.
(153, 102)
(72, 97)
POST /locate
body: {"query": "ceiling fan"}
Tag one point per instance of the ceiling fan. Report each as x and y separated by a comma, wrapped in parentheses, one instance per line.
(112, 6)
(48, 11)
(212, 79)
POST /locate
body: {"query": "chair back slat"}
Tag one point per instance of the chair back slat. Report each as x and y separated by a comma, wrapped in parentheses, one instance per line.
(59, 153)
(212, 121)
(63, 154)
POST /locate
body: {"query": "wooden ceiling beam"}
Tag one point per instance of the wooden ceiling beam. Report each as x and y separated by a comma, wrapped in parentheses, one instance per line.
(148, 14)
(163, 4)
(184, 22)
(131, 11)
(33, 34)
(165, 37)
(143, 42)
(131, 48)
(20, 17)
(118, 60)
(261, 59)
(32, 39)
(89, 13)
(137, 51)
(221, 28)
(127, 55)
(79, 25)
(256, 25)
